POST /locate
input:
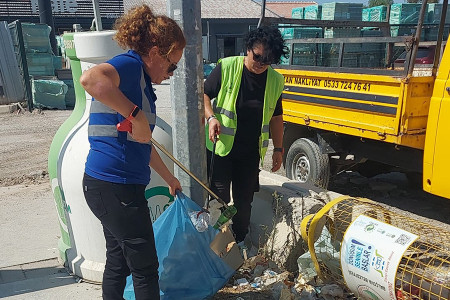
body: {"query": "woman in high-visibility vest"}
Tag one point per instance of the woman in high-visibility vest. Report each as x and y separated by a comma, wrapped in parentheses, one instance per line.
(117, 170)
(246, 103)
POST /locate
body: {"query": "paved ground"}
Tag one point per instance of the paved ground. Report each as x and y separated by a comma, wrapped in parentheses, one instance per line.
(29, 230)
(28, 221)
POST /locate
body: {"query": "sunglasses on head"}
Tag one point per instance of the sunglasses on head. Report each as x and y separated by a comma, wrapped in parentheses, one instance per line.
(261, 59)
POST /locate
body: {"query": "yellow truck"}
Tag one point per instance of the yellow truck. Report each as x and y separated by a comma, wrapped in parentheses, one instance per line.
(351, 118)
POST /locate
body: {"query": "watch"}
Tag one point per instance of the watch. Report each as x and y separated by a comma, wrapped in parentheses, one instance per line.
(278, 150)
(133, 113)
(210, 118)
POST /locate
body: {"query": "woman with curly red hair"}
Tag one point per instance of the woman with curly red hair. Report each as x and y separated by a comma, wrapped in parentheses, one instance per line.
(118, 164)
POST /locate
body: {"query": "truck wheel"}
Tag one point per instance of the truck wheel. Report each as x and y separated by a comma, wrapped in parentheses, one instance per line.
(306, 163)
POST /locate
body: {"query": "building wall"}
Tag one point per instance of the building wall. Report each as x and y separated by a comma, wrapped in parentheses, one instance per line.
(65, 12)
(226, 36)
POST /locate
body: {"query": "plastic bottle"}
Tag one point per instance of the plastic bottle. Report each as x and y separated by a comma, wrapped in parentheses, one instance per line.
(227, 214)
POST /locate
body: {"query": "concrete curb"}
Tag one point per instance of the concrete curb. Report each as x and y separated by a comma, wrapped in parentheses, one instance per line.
(8, 108)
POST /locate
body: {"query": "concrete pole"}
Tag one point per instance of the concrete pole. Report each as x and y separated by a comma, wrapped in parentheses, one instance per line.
(46, 17)
(186, 91)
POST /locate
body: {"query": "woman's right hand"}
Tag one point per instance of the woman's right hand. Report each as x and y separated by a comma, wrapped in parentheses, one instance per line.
(140, 129)
(174, 186)
(214, 129)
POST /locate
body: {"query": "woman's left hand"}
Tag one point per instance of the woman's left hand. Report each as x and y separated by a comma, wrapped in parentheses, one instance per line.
(277, 160)
(174, 185)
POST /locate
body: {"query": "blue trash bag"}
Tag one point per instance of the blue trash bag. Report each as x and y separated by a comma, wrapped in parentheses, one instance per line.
(188, 268)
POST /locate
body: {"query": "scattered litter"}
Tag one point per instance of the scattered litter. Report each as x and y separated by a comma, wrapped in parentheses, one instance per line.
(241, 281)
(200, 219)
(331, 291)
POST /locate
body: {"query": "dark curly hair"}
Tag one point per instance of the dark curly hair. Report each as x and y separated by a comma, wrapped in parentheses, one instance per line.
(140, 30)
(272, 41)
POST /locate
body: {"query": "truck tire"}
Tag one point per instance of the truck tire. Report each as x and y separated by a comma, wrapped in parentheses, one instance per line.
(306, 163)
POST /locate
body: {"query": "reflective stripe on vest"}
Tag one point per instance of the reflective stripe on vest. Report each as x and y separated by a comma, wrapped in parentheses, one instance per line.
(223, 111)
(110, 130)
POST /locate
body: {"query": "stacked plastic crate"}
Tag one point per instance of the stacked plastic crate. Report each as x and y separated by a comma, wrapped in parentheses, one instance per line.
(308, 54)
(38, 50)
(404, 14)
(313, 12)
(343, 11)
(372, 54)
(434, 11)
(377, 13)
(47, 91)
(303, 54)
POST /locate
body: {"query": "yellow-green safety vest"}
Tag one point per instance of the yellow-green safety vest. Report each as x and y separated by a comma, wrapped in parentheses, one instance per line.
(224, 105)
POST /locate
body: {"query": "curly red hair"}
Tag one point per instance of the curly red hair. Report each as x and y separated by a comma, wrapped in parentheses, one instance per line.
(140, 30)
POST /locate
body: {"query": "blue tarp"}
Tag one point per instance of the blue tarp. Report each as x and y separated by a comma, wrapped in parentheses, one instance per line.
(188, 268)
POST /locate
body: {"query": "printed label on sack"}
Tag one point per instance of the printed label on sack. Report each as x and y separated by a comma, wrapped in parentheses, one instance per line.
(370, 254)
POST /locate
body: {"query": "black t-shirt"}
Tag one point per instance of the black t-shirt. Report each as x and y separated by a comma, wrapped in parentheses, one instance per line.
(249, 108)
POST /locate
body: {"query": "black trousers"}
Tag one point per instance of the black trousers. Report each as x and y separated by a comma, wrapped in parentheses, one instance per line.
(242, 174)
(130, 245)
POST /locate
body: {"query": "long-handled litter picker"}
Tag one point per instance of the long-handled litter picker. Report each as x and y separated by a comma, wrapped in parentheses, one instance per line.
(125, 125)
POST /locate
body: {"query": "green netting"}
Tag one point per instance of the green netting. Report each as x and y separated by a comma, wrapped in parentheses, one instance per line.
(372, 47)
(40, 64)
(378, 13)
(308, 59)
(36, 37)
(434, 11)
(349, 61)
(366, 14)
(344, 33)
(313, 12)
(301, 32)
(49, 93)
(342, 11)
(307, 32)
(431, 34)
(406, 31)
(70, 95)
(372, 60)
(298, 13)
(286, 32)
(404, 13)
(57, 62)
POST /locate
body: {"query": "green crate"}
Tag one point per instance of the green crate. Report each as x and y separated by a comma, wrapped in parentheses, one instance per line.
(404, 13)
(365, 14)
(40, 64)
(406, 31)
(372, 60)
(307, 32)
(434, 11)
(49, 93)
(342, 11)
(308, 59)
(431, 34)
(344, 33)
(348, 61)
(36, 37)
(378, 13)
(313, 12)
(298, 13)
(70, 95)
